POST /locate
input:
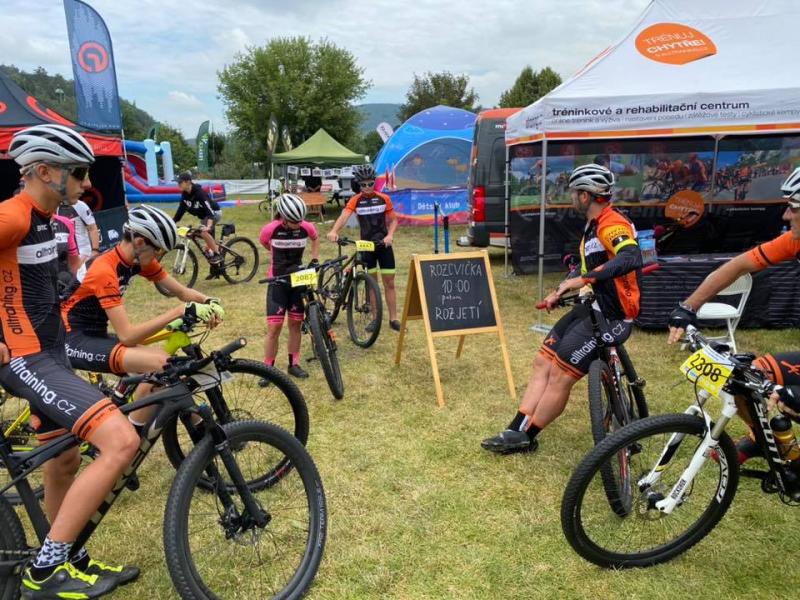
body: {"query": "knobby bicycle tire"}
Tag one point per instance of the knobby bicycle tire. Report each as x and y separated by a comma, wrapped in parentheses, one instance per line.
(245, 251)
(359, 302)
(325, 349)
(193, 574)
(288, 411)
(189, 275)
(12, 547)
(575, 503)
(331, 291)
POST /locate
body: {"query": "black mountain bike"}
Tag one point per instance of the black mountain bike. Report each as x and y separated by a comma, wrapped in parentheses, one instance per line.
(616, 396)
(316, 321)
(683, 469)
(239, 257)
(259, 533)
(233, 394)
(347, 283)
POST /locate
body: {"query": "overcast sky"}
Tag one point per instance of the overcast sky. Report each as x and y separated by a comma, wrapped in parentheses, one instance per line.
(168, 52)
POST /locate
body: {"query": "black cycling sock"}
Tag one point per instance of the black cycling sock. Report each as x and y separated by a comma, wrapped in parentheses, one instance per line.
(532, 430)
(517, 421)
(81, 560)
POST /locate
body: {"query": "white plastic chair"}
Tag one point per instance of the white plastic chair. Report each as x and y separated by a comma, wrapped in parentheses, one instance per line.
(731, 314)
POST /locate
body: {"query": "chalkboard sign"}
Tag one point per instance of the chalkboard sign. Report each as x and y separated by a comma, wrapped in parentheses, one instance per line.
(457, 293)
(454, 295)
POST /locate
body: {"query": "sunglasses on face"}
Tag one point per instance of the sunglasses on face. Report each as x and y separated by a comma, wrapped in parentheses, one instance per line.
(367, 184)
(79, 173)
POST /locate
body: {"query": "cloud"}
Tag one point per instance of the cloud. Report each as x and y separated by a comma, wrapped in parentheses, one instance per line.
(163, 45)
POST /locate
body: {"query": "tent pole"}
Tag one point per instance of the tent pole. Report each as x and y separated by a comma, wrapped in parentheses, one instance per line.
(505, 216)
(711, 192)
(539, 326)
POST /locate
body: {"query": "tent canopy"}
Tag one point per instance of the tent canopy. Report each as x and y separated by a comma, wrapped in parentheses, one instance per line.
(319, 149)
(18, 110)
(685, 68)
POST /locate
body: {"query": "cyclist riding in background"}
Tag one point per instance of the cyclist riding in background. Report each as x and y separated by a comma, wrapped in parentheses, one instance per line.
(286, 239)
(55, 162)
(697, 172)
(373, 209)
(147, 235)
(611, 264)
(782, 368)
(196, 202)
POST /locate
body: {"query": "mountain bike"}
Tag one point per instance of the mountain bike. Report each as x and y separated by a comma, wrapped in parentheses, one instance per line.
(347, 283)
(259, 533)
(237, 396)
(316, 321)
(683, 469)
(238, 257)
(616, 396)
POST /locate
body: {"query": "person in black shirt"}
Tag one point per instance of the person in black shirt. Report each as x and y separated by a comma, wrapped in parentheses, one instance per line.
(196, 202)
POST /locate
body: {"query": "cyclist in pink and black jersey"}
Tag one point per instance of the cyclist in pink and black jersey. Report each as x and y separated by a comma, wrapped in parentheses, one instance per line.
(286, 239)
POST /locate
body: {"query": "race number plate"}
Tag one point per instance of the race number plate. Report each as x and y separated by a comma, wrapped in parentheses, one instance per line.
(365, 246)
(708, 369)
(304, 277)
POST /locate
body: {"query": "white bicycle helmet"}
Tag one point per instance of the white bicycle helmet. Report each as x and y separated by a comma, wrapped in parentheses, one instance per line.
(154, 225)
(291, 207)
(51, 144)
(791, 188)
(593, 178)
(364, 173)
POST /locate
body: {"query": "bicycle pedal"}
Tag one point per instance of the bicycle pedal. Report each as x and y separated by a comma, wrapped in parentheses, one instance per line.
(640, 382)
(133, 483)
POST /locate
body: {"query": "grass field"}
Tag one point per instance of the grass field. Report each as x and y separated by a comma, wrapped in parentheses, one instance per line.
(417, 508)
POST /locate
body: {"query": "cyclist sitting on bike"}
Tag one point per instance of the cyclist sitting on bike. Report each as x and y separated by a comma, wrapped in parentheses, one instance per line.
(611, 263)
(98, 299)
(285, 239)
(373, 210)
(55, 161)
(196, 202)
(782, 368)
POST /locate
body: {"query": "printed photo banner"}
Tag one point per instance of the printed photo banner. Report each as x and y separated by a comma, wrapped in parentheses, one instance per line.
(305, 172)
(292, 170)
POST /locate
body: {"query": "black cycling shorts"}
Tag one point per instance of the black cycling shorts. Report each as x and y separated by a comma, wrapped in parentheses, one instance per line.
(383, 257)
(95, 353)
(283, 299)
(571, 345)
(782, 368)
(60, 401)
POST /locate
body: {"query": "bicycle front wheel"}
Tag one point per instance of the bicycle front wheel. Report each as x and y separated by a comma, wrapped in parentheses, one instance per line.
(645, 536)
(213, 547)
(239, 260)
(181, 263)
(13, 549)
(325, 349)
(241, 397)
(364, 310)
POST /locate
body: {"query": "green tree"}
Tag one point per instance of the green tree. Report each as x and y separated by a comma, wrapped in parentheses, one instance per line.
(306, 85)
(370, 144)
(183, 155)
(529, 87)
(216, 147)
(433, 89)
(236, 160)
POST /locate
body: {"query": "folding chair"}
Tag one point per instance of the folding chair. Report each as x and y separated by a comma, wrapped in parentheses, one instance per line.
(727, 312)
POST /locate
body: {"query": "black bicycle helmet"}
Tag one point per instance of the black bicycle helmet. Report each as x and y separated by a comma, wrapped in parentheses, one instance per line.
(364, 173)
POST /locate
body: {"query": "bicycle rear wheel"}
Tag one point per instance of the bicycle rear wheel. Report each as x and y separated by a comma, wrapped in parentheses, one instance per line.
(242, 398)
(181, 264)
(330, 291)
(214, 550)
(239, 260)
(364, 310)
(325, 349)
(13, 549)
(22, 438)
(645, 536)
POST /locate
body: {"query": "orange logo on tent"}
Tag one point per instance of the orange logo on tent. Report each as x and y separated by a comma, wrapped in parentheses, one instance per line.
(685, 208)
(674, 44)
(3, 107)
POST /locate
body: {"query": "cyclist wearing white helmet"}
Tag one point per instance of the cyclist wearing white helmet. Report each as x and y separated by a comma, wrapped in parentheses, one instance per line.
(286, 238)
(781, 368)
(378, 222)
(611, 264)
(54, 161)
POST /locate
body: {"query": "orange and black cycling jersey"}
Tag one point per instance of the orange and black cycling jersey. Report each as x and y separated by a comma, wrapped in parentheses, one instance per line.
(784, 247)
(372, 212)
(611, 262)
(102, 287)
(29, 318)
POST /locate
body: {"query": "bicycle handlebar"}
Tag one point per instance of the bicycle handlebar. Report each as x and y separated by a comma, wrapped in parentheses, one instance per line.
(318, 267)
(575, 298)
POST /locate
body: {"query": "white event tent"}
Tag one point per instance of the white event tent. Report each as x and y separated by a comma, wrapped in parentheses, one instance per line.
(686, 68)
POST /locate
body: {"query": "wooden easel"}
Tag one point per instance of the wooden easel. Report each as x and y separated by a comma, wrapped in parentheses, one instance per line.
(416, 307)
